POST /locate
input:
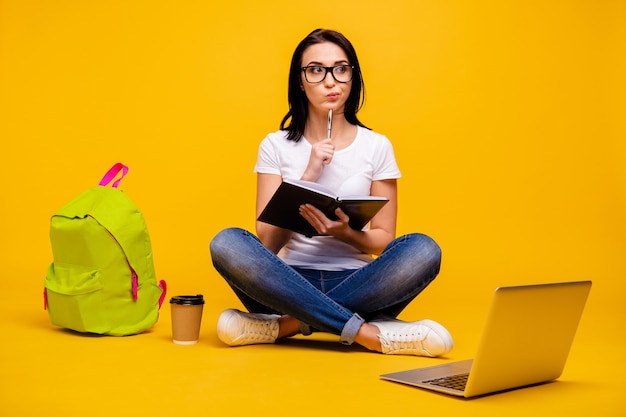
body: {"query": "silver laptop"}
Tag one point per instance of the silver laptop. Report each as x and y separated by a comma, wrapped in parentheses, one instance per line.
(525, 341)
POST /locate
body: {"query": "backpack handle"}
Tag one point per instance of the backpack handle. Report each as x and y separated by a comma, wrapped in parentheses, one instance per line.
(112, 173)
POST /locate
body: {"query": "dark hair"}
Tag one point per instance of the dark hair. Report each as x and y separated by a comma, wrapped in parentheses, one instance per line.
(298, 103)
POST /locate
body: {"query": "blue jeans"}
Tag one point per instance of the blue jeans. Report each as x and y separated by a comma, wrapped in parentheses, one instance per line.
(337, 302)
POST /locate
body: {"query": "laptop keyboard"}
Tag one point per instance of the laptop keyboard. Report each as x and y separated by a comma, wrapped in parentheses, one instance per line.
(456, 382)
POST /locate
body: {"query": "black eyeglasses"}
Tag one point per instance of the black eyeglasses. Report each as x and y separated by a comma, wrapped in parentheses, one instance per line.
(315, 74)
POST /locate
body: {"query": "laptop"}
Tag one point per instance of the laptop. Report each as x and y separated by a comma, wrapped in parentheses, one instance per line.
(525, 341)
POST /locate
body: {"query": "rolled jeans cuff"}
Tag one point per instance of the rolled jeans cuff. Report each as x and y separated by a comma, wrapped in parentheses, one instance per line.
(305, 329)
(350, 329)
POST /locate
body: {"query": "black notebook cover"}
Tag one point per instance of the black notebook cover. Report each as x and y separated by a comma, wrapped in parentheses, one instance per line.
(283, 208)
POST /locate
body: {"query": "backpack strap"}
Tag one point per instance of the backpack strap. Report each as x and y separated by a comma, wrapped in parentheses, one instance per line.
(112, 173)
(163, 286)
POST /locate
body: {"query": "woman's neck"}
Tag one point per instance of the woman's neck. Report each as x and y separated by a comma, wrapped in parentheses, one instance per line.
(343, 133)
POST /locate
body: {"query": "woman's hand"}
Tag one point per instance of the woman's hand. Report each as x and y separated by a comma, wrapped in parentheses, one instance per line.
(321, 155)
(373, 240)
(322, 224)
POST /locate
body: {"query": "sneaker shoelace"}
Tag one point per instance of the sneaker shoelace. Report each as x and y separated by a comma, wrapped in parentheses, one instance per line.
(404, 341)
(259, 329)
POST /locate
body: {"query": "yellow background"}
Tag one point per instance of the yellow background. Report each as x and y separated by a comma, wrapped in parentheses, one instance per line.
(508, 121)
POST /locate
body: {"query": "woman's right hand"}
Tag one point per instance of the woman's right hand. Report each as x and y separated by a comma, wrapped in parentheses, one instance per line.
(321, 155)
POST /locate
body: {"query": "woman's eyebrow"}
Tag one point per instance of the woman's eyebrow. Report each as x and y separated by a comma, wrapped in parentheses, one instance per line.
(319, 64)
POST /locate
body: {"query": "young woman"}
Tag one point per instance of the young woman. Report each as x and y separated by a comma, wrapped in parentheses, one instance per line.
(293, 284)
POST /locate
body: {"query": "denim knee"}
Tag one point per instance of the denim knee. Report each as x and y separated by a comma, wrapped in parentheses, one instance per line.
(428, 249)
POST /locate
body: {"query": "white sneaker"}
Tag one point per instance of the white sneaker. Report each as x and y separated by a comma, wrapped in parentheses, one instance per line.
(236, 328)
(423, 338)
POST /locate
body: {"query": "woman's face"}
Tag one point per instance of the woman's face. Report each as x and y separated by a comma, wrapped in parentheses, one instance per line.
(328, 94)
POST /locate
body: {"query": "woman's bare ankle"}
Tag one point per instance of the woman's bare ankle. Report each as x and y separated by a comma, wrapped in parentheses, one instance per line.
(367, 337)
(287, 326)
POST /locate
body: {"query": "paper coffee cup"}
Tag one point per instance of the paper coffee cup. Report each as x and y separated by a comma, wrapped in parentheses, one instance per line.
(186, 318)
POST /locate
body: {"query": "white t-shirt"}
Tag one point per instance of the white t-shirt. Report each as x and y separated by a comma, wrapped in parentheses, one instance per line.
(369, 158)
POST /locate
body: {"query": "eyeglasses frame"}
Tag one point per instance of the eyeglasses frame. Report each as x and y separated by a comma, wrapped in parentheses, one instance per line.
(328, 69)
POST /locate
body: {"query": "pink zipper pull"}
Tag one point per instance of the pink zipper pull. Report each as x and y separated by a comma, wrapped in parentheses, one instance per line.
(135, 286)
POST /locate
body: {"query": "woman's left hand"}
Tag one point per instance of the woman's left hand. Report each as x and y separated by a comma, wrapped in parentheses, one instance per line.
(323, 224)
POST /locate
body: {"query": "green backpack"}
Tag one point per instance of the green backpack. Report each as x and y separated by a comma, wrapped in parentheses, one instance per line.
(102, 279)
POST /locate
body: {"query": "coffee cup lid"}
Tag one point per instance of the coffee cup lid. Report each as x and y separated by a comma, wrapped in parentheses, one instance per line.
(187, 299)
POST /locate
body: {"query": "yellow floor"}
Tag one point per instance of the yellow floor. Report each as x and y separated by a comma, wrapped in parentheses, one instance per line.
(46, 368)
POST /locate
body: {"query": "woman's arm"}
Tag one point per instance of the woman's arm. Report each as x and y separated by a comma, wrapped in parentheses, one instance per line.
(382, 227)
(273, 237)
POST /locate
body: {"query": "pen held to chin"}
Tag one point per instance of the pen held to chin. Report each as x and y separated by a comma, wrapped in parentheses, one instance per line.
(330, 123)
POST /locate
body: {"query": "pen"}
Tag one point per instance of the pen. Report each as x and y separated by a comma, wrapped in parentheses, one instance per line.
(330, 122)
